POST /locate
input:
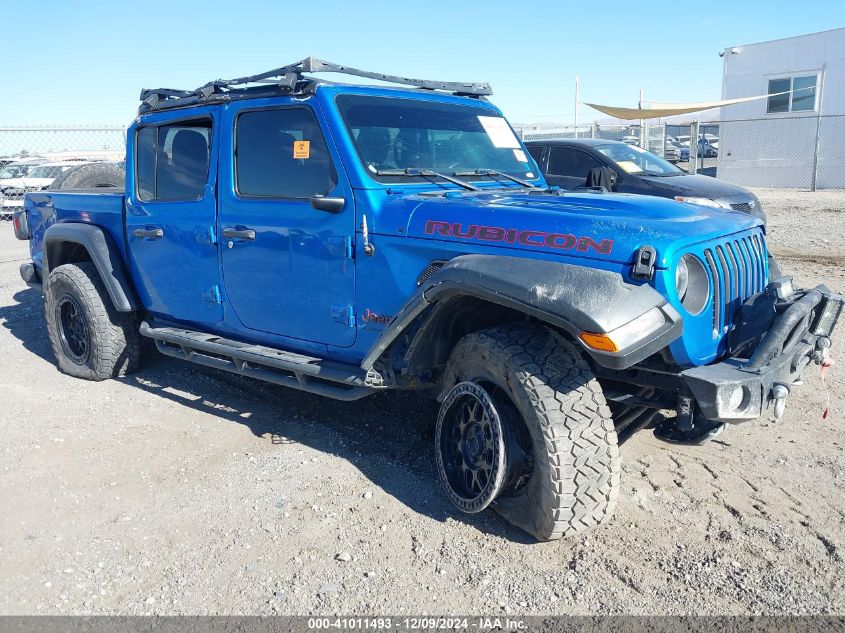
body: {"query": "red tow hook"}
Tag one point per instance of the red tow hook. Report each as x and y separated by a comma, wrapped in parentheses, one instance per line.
(827, 363)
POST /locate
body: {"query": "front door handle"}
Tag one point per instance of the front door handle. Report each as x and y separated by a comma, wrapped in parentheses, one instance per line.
(240, 233)
(149, 233)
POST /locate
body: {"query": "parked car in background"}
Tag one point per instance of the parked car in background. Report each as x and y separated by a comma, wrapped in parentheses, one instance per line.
(39, 177)
(671, 153)
(567, 162)
(18, 168)
(11, 178)
(630, 139)
(708, 148)
(682, 150)
(5, 160)
(43, 176)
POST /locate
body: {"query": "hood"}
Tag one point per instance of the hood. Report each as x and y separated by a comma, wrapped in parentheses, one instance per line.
(11, 182)
(37, 182)
(610, 227)
(697, 185)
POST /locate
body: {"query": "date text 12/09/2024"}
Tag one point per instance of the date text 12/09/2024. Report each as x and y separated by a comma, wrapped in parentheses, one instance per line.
(422, 623)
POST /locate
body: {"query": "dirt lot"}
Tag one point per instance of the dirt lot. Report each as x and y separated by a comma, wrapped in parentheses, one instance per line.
(180, 491)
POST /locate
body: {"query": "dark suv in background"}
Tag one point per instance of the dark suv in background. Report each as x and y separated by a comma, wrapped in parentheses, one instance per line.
(567, 162)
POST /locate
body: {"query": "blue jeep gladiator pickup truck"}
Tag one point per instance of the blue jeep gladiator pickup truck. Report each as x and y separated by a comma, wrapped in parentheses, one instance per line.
(348, 239)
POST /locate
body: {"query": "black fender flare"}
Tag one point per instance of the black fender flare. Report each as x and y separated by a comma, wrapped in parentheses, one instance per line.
(103, 253)
(570, 297)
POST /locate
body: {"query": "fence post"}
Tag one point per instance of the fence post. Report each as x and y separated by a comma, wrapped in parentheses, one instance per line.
(818, 129)
(693, 147)
(816, 154)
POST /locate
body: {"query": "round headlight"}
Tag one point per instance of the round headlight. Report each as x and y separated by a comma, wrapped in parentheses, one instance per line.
(692, 284)
(682, 278)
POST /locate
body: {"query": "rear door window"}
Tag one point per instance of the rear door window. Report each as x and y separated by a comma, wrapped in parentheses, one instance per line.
(172, 161)
(282, 153)
(567, 161)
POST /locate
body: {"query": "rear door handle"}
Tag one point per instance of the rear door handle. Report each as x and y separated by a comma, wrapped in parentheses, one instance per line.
(148, 233)
(240, 233)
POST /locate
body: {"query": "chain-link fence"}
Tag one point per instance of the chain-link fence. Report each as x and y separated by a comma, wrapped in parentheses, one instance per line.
(670, 142)
(798, 152)
(651, 137)
(803, 152)
(31, 158)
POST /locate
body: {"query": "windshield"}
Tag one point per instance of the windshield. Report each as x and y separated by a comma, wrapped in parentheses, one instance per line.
(46, 171)
(396, 134)
(16, 170)
(635, 160)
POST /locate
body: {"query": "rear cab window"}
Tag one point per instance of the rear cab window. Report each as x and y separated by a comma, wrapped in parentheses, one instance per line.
(172, 160)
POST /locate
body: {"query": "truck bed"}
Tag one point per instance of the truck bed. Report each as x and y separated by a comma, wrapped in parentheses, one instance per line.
(102, 207)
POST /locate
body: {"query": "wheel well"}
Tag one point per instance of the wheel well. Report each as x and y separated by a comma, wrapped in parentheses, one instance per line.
(63, 252)
(427, 349)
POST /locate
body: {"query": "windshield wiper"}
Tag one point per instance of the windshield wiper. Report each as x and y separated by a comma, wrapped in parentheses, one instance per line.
(426, 173)
(494, 172)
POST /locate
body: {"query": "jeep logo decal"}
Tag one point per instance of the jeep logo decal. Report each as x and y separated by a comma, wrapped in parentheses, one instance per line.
(536, 239)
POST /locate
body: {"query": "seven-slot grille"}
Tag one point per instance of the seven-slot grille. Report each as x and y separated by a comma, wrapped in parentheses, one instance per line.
(738, 269)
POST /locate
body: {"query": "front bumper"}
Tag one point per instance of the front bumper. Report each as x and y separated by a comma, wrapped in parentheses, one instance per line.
(779, 334)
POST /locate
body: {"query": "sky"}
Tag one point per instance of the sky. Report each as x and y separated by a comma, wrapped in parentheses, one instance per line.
(83, 62)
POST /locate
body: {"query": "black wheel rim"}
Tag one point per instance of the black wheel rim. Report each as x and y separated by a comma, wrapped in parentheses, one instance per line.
(73, 329)
(519, 452)
(470, 447)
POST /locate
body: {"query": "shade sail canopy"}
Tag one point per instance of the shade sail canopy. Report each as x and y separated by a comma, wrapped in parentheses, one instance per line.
(656, 110)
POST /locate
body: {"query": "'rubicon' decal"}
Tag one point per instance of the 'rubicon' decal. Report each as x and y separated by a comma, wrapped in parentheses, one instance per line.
(535, 239)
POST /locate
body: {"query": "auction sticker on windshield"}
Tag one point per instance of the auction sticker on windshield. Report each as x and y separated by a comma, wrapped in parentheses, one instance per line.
(629, 166)
(499, 132)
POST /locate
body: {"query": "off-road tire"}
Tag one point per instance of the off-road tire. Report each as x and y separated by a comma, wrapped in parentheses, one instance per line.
(91, 176)
(114, 345)
(575, 477)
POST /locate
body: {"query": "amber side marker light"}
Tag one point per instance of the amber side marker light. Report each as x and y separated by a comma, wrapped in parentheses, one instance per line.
(600, 342)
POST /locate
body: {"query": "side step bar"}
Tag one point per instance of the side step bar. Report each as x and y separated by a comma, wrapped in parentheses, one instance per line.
(316, 375)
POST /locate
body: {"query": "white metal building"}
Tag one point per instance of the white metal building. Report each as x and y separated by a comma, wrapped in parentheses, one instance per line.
(794, 137)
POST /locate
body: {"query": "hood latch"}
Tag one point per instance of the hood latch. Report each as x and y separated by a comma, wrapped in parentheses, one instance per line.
(644, 263)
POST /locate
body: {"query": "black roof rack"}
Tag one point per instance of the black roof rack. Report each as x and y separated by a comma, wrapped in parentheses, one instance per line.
(290, 80)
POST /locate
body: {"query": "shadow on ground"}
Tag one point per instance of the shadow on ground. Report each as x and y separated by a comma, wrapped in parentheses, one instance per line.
(388, 437)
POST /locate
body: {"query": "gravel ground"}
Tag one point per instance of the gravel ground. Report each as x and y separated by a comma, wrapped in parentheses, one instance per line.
(181, 491)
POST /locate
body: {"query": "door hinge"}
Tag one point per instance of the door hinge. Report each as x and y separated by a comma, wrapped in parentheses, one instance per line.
(344, 314)
(213, 295)
(340, 246)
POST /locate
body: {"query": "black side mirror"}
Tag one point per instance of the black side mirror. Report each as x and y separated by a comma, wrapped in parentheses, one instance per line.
(332, 205)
